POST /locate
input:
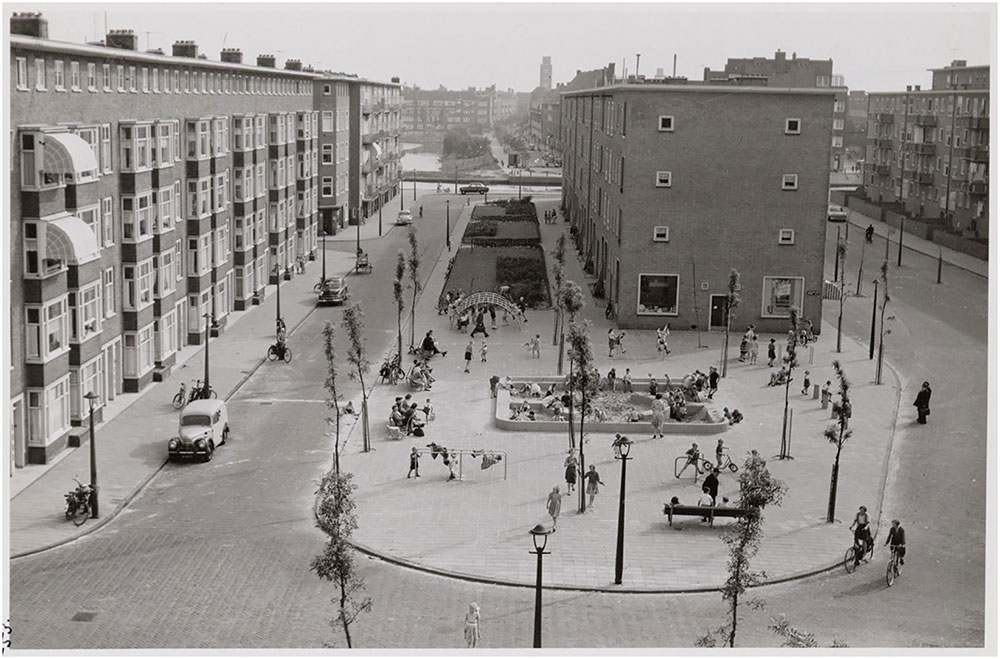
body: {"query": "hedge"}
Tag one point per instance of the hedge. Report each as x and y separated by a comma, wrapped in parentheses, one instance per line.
(481, 228)
(526, 277)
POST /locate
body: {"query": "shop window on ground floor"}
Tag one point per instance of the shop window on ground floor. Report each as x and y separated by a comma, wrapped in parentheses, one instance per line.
(658, 294)
(780, 295)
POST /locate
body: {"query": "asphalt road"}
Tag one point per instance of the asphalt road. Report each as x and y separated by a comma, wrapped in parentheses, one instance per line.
(217, 555)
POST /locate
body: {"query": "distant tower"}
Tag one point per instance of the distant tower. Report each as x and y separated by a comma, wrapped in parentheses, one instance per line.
(545, 78)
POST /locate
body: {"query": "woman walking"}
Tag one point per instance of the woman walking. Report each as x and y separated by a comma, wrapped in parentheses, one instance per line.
(593, 480)
(472, 626)
(571, 467)
(554, 505)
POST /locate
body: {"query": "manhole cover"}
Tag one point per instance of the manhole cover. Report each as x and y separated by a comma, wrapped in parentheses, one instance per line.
(84, 616)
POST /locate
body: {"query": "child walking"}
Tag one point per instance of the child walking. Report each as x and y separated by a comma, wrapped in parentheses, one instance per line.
(468, 355)
(482, 352)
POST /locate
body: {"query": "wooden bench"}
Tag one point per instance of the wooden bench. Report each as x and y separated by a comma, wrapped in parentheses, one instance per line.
(394, 432)
(711, 512)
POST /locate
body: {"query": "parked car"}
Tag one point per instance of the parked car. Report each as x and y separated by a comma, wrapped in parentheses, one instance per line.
(404, 218)
(334, 291)
(835, 213)
(203, 425)
(474, 188)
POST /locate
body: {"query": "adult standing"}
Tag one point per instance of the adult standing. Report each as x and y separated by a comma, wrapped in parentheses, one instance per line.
(713, 381)
(480, 326)
(656, 407)
(923, 402)
(711, 484)
(571, 469)
(472, 626)
(772, 354)
(593, 480)
(554, 505)
(468, 355)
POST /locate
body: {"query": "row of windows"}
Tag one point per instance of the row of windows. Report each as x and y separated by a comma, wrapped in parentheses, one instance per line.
(659, 295)
(133, 79)
(977, 106)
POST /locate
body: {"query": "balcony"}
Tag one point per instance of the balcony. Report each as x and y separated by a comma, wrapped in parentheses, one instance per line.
(366, 107)
(925, 120)
(979, 155)
(978, 188)
(882, 170)
(884, 117)
(924, 148)
(884, 143)
(975, 123)
(925, 178)
(961, 151)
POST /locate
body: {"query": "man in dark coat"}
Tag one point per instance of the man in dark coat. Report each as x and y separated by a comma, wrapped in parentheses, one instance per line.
(923, 403)
(712, 484)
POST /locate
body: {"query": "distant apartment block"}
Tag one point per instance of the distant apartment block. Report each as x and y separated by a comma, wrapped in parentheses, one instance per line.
(796, 72)
(544, 115)
(929, 149)
(443, 109)
(670, 186)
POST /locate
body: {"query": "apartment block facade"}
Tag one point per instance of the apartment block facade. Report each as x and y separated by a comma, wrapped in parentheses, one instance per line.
(151, 195)
(443, 109)
(929, 150)
(668, 187)
(794, 73)
(375, 122)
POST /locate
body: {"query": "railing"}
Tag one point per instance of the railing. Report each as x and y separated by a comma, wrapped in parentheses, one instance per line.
(978, 188)
(975, 123)
(474, 453)
(925, 120)
(979, 155)
(925, 148)
(884, 117)
(925, 178)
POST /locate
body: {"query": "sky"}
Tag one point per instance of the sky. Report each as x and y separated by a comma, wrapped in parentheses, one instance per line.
(876, 47)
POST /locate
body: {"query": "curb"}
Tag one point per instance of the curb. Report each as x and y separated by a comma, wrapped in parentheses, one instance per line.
(930, 256)
(142, 486)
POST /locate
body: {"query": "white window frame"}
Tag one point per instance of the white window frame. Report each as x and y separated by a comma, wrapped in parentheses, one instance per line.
(106, 77)
(22, 73)
(59, 76)
(108, 282)
(793, 130)
(92, 76)
(661, 234)
(786, 236)
(86, 324)
(662, 181)
(638, 304)
(74, 75)
(130, 79)
(326, 191)
(789, 182)
(40, 74)
(107, 237)
(669, 128)
(765, 312)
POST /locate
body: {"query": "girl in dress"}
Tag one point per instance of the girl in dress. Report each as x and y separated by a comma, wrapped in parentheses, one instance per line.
(571, 467)
(554, 505)
(593, 479)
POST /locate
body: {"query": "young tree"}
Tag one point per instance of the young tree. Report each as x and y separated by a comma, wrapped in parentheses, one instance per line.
(758, 489)
(796, 638)
(583, 377)
(335, 516)
(882, 331)
(569, 299)
(357, 357)
(694, 291)
(841, 258)
(558, 275)
(333, 402)
(791, 362)
(732, 302)
(413, 266)
(397, 295)
(838, 434)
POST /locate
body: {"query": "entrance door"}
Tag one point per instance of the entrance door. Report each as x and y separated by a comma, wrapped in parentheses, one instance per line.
(717, 313)
(17, 434)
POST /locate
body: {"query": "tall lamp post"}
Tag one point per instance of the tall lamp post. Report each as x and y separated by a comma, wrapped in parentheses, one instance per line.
(205, 390)
(323, 275)
(91, 397)
(871, 341)
(447, 224)
(277, 308)
(380, 218)
(456, 179)
(623, 447)
(539, 536)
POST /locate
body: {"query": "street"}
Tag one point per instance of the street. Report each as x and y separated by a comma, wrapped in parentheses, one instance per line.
(228, 543)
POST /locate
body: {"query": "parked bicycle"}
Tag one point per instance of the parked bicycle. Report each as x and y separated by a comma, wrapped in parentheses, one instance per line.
(180, 398)
(198, 392)
(859, 552)
(78, 503)
(391, 370)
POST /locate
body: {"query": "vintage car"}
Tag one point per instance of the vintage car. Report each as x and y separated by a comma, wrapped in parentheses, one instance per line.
(835, 213)
(203, 426)
(334, 291)
(404, 217)
(474, 188)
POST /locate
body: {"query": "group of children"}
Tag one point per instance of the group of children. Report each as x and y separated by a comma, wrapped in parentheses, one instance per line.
(409, 417)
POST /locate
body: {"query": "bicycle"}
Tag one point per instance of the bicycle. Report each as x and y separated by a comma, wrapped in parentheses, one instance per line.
(893, 568)
(391, 370)
(180, 398)
(198, 392)
(78, 503)
(280, 351)
(858, 553)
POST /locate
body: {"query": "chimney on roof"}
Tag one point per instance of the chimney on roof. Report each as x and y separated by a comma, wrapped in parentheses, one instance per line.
(779, 57)
(293, 65)
(231, 55)
(916, 88)
(958, 63)
(659, 72)
(266, 60)
(394, 79)
(909, 88)
(29, 24)
(309, 69)
(155, 51)
(124, 39)
(793, 56)
(185, 48)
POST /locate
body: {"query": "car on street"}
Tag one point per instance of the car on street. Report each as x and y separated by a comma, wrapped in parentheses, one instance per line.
(404, 218)
(203, 425)
(835, 213)
(334, 291)
(474, 188)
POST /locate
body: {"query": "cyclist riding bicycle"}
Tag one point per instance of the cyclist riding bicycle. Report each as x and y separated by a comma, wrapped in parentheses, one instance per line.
(862, 533)
(897, 540)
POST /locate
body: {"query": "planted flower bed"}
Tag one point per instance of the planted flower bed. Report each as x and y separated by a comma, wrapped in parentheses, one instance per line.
(487, 268)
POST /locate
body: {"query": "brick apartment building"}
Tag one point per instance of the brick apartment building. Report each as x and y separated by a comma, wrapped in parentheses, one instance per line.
(929, 146)
(444, 109)
(797, 72)
(669, 186)
(544, 115)
(150, 196)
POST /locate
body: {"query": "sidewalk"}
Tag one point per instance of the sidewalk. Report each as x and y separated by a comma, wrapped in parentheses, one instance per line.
(126, 459)
(477, 527)
(918, 244)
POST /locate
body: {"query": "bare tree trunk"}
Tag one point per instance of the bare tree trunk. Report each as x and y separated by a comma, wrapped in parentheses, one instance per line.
(583, 414)
(343, 614)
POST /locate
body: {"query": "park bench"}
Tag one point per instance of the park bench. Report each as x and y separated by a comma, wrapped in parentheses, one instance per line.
(711, 512)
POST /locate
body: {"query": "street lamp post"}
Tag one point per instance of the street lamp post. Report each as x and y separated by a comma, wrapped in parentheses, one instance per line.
(205, 390)
(380, 217)
(871, 341)
(401, 194)
(277, 308)
(91, 397)
(540, 533)
(623, 448)
(414, 189)
(323, 275)
(447, 224)
(899, 255)
(456, 179)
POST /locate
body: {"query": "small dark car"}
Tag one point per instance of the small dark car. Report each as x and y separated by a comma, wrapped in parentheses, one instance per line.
(474, 188)
(334, 291)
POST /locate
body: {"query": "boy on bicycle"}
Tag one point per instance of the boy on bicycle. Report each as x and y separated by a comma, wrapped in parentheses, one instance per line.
(862, 533)
(897, 540)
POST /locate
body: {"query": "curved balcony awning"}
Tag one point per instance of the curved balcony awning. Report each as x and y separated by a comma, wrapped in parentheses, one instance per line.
(69, 154)
(69, 239)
